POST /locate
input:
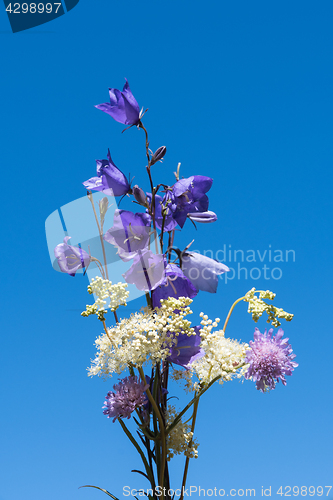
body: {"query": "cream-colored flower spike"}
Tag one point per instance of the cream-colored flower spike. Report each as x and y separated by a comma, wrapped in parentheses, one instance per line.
(105, 291)
(257, 307)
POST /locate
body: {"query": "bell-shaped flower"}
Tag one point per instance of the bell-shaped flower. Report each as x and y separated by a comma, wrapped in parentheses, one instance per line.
(190, 196)
(176, 284)
(110, 180)
(147, 271)
(70, 259)
(186, 349)
(203, 217)
(164, 209)
(129, 233)
(123, 106)
(202, 271)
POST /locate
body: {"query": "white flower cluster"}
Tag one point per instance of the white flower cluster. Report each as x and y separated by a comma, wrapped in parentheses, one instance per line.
(180, 439)
(257, 307)
(143, 337)
(105, 290)
(223, 356)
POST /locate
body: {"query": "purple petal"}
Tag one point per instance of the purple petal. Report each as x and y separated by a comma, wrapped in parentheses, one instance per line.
(186, 349)
(147, 271)
(176, 285)
(203, 217)
(202, 271)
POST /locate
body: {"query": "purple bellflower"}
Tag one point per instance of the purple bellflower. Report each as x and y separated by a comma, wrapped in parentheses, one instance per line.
(202, 271)
(190, 196)
(186, 349)
(123, 106)
(147, 271)
(71, 259)
(164, 205)
(129, 233)
(270, 359)
(175, 284)
(129, 395)
(110, 180)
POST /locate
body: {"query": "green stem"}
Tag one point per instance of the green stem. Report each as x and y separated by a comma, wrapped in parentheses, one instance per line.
(197, 397)
(162, 429)
(133, 441)
(90, 196)
(231, 309)
(195, 410)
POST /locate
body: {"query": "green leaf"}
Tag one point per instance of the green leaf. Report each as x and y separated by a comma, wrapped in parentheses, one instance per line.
(97, 487)
(140, 472)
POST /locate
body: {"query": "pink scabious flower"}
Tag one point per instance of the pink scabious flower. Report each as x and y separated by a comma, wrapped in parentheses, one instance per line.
(270, 359)
(130, 394)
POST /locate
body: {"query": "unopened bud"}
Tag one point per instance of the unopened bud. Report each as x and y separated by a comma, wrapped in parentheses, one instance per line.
(204, 217)
(103, 207)
(158, 155)
(139, 195)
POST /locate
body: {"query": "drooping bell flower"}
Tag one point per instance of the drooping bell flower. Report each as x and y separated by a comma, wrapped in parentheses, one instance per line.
(203, 217)
(190, 196)
(186, 349)
(123, 106)
(167, 206)
(202, 271)
(176, 284)
(129, 233)
(147, 271)
(270, 359)
(110, 180)
(71, 259)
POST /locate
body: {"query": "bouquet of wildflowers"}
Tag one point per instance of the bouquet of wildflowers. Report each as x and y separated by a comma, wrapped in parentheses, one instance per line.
(159, 343)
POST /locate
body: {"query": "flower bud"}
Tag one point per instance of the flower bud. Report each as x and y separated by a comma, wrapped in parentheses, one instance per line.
(103, 207)
(158, 155)
(204, 217)
(139, 195)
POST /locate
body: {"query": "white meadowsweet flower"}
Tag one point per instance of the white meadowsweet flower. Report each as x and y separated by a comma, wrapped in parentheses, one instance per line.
(224, 357)
(257, 307)
(180, 437)
(144, 337)
(115, 295)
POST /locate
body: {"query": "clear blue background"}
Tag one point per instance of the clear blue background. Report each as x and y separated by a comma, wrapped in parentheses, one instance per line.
(240, 91)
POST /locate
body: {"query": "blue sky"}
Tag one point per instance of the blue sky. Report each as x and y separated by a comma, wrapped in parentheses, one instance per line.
(238, 91)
